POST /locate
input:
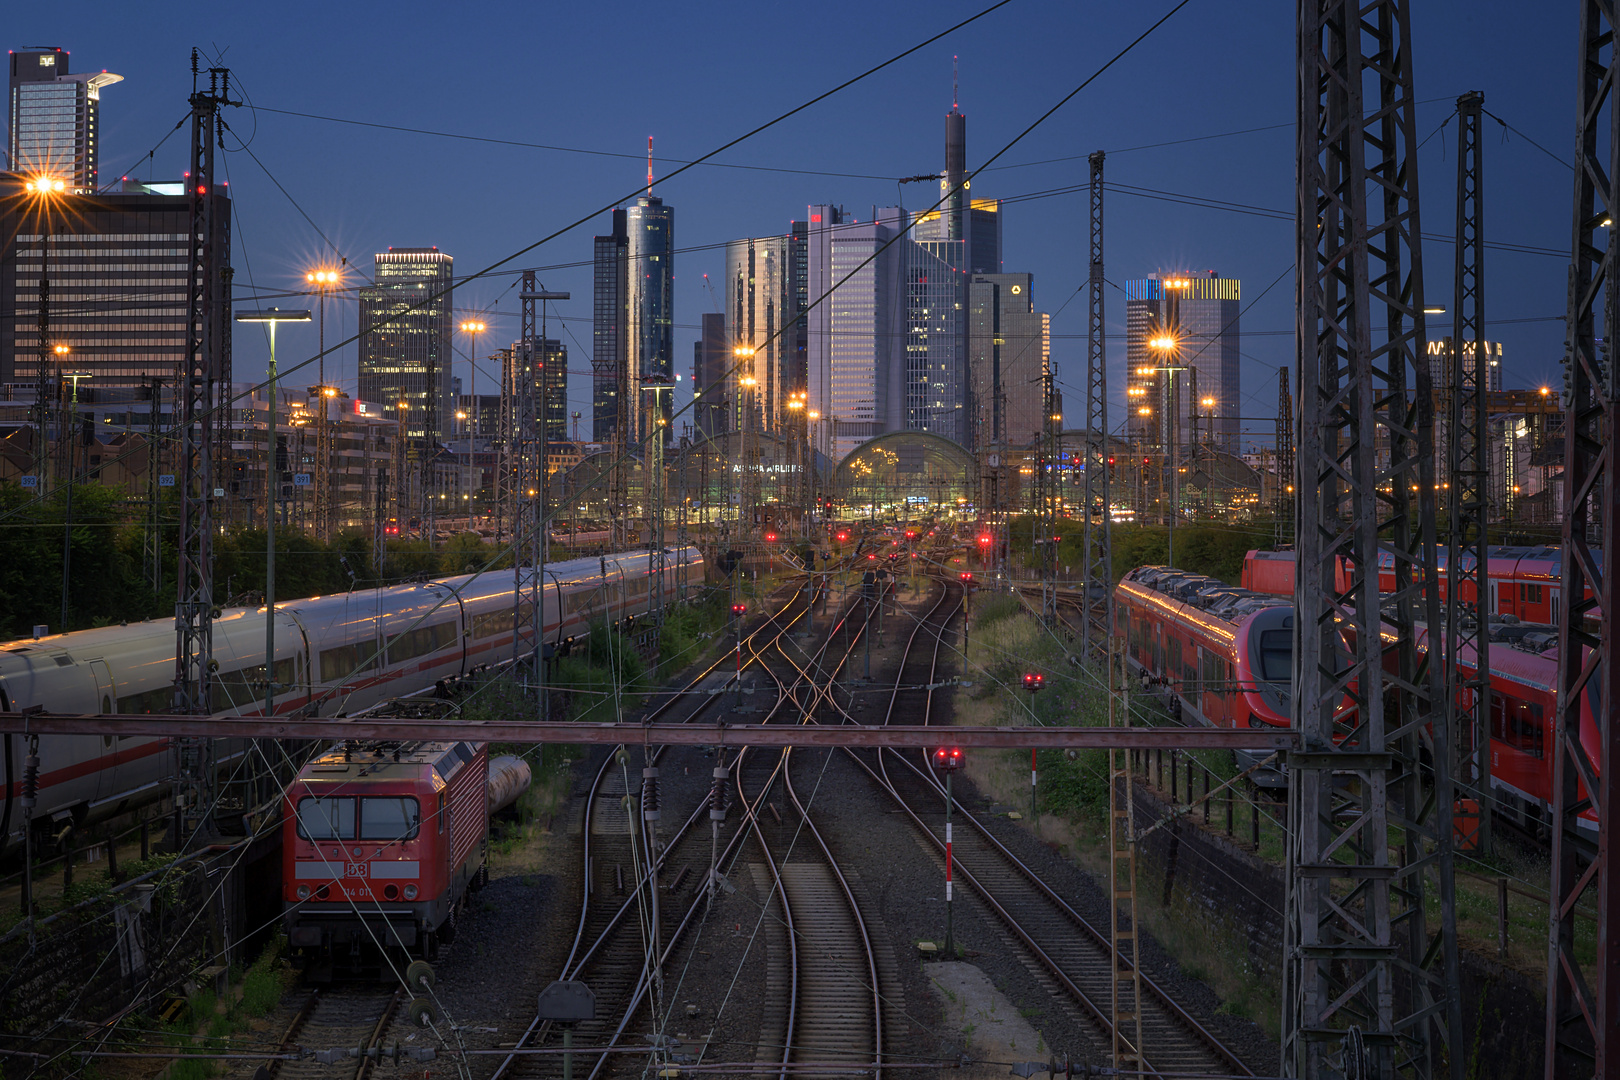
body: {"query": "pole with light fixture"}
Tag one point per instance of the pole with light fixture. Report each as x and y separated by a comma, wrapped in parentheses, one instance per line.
(270, 317)
(44, 190)
(472, 328)
(324, 280)
(68, 437)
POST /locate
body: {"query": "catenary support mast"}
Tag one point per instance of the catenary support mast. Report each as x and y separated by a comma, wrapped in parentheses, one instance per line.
(1097, 580)
(1368, 987)
(206, 328)
(1583, 861)
(1468, 698)
(1283, 500)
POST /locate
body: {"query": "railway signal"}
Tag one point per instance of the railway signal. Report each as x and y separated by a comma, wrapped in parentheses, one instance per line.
(948, 759)
(1034, 682)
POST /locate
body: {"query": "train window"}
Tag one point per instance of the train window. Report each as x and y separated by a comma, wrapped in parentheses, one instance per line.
(389, 818)
(239, 689)
(1530, 594)
(421, 641)
(326, 819)
(1518, 724)
(339, 663)
(160, 700)
(1276, 655)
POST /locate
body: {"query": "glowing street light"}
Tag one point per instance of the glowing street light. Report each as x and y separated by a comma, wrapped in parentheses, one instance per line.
(46, 185)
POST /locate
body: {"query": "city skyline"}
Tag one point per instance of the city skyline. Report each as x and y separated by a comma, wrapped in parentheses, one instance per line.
(1145, 230)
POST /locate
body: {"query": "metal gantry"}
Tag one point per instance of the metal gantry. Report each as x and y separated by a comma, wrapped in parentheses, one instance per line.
(206, 329)
(1468, 695)
(1584, 786)
(1368, 987)
(1097, 572)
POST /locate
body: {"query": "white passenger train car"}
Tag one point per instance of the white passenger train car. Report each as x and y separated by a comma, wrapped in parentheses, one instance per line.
(334, 655)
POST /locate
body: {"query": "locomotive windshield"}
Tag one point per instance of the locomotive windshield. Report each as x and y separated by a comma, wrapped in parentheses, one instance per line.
(1276, 655)
(388, 817)
(380, 817)
(326, 819)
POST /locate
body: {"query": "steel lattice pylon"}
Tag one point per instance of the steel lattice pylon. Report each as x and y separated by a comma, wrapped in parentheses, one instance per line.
(1283, 501)
(1468, 696)
(206, 330)
(1368, 988)
(1588, 677)
(1097, 580)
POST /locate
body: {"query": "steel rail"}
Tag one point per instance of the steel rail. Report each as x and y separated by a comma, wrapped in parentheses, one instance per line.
(576, 962)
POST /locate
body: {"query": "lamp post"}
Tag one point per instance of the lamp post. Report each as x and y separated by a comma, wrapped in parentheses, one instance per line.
(745, 425)
(324, 279)
(472, 328)
(67, 520)
(270, 317)
(1170, 347)
(44, 189)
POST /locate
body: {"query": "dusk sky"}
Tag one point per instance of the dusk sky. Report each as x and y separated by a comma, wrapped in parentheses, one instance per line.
(1204, 107)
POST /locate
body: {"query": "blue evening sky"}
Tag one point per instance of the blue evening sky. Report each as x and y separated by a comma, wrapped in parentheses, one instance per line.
(602, 77)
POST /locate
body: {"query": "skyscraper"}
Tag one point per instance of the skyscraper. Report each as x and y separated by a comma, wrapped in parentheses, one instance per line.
(552, 385)
(856, 378)
(758, 308)
(117, 269)
(1009, 346)
(54, 118)
(405, 320)
(608, 342)
(711, 358)
(1201, 313)
(650, 318)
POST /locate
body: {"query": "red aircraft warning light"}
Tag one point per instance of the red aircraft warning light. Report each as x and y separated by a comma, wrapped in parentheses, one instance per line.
(947, 758)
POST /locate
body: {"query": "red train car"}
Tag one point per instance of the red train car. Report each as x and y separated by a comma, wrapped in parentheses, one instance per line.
(1525, 582)
(380, 843)
(1225, 657)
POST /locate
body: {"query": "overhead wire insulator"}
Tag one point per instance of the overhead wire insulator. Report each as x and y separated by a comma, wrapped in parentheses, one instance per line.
(649, 793)
(719, 793)
(30, 785)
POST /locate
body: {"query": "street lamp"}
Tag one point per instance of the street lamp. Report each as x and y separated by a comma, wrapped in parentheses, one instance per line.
(44, 189)
(472, 328)
(324, 280)
(67, 522)
(270, 317)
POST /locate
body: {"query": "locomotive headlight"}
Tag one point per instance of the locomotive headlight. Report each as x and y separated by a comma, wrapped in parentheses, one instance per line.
(303, 892)
(410, 892)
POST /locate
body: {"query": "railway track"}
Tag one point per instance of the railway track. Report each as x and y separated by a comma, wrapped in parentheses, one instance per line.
(1075, 954)
(329, 1019)
(608, 945)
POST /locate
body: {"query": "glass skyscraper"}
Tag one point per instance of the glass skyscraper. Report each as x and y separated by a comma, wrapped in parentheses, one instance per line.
(53, 118)
(650, 314)
(1209, 335)
(1009, 347)
(608, 310)
(405, 322)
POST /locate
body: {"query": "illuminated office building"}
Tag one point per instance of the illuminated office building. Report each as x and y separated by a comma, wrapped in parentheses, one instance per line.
(1201, 314)
(405, 322)
(650, 311)
(1009, 347)
(608, 310)
(53, 118)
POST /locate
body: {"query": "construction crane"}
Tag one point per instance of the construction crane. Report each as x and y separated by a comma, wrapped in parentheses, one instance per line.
(713, 296)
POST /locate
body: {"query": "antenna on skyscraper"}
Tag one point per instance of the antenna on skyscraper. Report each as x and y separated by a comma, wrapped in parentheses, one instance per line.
(649, 166)
(954, 60)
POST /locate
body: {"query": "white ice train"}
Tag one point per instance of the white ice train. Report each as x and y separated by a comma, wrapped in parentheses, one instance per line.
(334, 655)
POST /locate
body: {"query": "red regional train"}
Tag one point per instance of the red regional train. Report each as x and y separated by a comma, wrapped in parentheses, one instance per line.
(380, 843)
(1225, 655)
(1525, 582)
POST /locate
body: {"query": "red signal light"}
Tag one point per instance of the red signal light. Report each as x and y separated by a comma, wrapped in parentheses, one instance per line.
(1034, 680)
(965, 576)
(1110, 460)
(947, 758)
(739, 610)
(770, 538)
(984, 540)
(842, 537)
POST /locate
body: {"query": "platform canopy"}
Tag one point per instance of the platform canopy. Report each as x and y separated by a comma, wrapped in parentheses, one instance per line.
(905, 473)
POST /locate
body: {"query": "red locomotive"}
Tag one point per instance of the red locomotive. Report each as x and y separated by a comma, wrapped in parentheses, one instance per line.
(381, 842)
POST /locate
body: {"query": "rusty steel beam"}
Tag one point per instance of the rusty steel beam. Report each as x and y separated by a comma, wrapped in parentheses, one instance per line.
(395, 730)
